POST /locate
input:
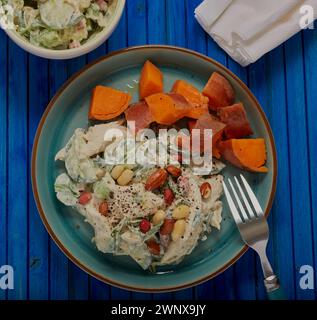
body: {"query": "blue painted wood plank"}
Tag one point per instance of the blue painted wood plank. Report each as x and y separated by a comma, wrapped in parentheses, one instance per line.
(119, 294)
(58, 262)
(17, 171)
(298, 143)
(205, 291)
(141, 296)
(78, 280)
(186, 294)
(118, 40)
(99, 290)
(310, 49)
(244, 269)
(163, 296)
(224, 290)
(136, 22)
(3, 151)
(38, 239)
(156, 22)
(214, 51)
(281, 215)
(97, 53)
(78, 283)
(176, 23)
(195, 34)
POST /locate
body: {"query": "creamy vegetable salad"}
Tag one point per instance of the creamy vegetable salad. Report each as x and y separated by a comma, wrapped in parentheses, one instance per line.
(154, 214)
(60, 24)
(157, 211)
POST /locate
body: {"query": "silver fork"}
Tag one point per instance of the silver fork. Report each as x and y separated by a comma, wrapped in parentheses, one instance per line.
(253, 228)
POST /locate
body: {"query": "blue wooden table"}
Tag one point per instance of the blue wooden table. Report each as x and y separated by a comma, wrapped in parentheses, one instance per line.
(284, 81)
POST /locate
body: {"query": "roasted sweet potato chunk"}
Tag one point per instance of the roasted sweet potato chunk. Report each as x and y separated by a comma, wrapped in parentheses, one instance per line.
(167, 108)
(107, 103)
(151, 80)
(235, 118)
(198, 101)
(248, 154)
(140, 114)
(219, 91)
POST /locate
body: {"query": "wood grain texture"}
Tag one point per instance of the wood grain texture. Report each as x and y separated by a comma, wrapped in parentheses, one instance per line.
(310, 67)
(281, 215)
(38, 242)
(285, 83)
(3, 151)
(58, 264)
(17, 185)
(299, 167)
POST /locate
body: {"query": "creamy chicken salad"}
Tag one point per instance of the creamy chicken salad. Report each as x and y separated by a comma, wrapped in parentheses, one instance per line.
(60, 24)
(155, 214)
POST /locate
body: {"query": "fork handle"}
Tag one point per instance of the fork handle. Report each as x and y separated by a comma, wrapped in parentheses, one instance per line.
(271, 281)
(273, 288)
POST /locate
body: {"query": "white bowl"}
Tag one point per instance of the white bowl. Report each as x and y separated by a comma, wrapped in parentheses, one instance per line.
(91, 44)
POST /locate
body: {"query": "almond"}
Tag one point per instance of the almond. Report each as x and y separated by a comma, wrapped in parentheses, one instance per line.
(156, 180)
(174, 171)
(205, 190)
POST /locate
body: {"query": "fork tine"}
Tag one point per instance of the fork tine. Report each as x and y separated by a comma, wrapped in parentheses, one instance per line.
(232, 206)
(245, 200)
(244, 214)
(252, 197)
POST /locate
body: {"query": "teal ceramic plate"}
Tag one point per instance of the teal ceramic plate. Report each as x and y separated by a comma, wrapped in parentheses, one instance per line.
(68, 111)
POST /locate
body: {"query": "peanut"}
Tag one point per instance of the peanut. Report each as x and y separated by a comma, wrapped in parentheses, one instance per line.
(117, 171)
(100, 173)
(125, 177)
(179, 229)
(158, 217)
(181, 212)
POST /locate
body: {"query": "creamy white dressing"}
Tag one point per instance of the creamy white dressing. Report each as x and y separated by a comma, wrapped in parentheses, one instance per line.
(118, 233)
(60, 24)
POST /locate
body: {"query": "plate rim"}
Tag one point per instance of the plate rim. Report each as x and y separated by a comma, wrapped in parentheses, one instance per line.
(42, 214)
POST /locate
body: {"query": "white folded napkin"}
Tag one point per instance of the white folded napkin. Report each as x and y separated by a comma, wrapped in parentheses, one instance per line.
(247, 29)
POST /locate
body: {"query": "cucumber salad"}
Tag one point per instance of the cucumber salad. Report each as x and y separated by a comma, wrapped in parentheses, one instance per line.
(60, 24)
(155, 214)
